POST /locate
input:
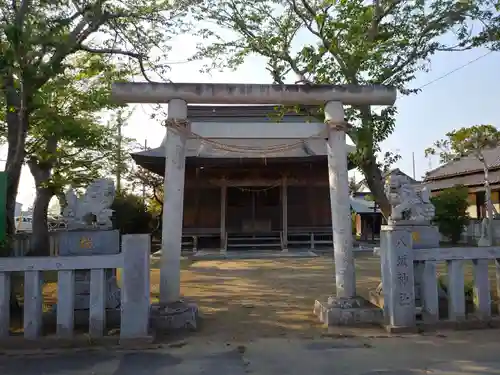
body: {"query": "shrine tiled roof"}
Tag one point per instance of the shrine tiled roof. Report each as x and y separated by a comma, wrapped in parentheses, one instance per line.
(467, 171)
(466, 165)
(198, 148)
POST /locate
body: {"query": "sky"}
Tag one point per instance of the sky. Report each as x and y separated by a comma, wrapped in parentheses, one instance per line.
(449, 100)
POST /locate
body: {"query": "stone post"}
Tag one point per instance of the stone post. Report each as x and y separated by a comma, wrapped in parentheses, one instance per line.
(284, 212)
(175, 161)
(396, 254)
(223, 212)
(136, 250)
(489, 206)
(345, 277)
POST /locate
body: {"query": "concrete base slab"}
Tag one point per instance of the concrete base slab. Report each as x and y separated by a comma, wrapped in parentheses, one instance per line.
(457, 353)
(347, 312)
(174, 316)
(472, 321)
(49, 344)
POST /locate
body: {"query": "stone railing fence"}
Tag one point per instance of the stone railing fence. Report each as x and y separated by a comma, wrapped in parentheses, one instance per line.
(22, 242)
(472, 232)
(135, 285)
(411, 286)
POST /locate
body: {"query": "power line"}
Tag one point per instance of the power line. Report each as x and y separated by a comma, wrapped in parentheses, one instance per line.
(455, 70)
(444, 76)
(418, 88)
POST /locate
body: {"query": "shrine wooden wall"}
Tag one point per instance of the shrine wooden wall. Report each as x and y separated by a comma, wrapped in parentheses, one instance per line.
(308, 196)
(202, 208)
(309, 206)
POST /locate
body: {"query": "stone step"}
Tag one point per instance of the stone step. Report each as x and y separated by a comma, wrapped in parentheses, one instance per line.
(253, 244)
(252, 239)
(254, 248)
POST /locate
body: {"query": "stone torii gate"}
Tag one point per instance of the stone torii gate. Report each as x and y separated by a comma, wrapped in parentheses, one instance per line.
(333, 97)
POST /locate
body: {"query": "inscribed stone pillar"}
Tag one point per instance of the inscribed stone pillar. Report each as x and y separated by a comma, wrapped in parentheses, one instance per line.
(396, 254)
(345, 278)
(175, 162)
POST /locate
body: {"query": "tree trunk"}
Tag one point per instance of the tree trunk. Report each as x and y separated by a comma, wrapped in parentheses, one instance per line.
(41, 171)
(369, 165)
(375, 182)
(17, 129)
(16, 138)
(16, 117)
(40, 242)
(61, 197)
(13, 177)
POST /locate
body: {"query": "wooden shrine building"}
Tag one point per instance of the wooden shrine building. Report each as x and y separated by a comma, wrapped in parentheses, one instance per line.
(237, 200)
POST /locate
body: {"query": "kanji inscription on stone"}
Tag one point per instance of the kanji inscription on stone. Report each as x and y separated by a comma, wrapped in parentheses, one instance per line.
(401, 244)
(404, 298)
(402, 260)
(403, 278)
(403, 274)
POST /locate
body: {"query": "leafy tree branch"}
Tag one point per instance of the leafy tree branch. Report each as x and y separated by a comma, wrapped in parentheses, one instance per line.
(38, 43)
(344, 42)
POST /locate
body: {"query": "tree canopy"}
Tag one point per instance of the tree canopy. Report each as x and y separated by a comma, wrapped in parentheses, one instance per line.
(67, 143)
(38, 42)
(471, 140)
(451, 212)
(66, 131)
(346, 42)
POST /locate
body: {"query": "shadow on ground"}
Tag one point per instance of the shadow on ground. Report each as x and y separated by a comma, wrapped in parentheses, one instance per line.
(125, 363)
(244, 299)
(247, 299)
(462, 353)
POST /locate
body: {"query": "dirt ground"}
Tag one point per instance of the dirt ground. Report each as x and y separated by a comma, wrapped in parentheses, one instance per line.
(241, 300)
(245, 299)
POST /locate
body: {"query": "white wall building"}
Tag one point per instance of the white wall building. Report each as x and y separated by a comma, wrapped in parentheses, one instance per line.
(18, 209)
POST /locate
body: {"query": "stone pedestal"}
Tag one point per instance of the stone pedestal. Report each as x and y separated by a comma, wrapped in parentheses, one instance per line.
(487, 234)
(338, 311)
(423, 236)
(174, 316)
(92, 242)
(396, 255)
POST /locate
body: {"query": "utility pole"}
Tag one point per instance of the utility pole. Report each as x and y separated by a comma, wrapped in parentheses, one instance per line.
(143, 183)
(119, 123)
(489, 204)
(413, 160)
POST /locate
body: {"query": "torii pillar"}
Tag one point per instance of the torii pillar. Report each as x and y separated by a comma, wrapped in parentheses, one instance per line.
(337, 309)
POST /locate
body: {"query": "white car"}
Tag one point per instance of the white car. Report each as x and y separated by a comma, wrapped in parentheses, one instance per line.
(24, 223)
